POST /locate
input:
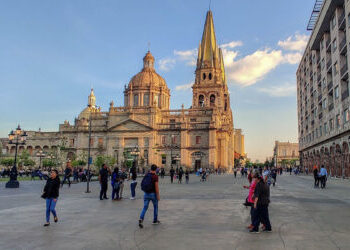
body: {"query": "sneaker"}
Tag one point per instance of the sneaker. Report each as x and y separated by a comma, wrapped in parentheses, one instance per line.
(156, 222)
(132, 198)
(47, 224)
(253, 231)
(267, 231)
(140, 224)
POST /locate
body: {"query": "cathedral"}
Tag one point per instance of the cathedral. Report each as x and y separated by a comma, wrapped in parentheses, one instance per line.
(147, 129)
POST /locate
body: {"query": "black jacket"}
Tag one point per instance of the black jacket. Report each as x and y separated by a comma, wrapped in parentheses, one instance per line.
(51, 189)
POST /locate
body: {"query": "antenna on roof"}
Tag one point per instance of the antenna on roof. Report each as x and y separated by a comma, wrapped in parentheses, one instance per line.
(209, 4)
(149, 46)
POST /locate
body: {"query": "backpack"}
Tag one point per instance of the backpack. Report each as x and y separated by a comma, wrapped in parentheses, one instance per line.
(147, 184)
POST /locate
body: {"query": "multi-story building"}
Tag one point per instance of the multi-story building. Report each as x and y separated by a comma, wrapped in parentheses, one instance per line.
(239, 143)
(201, 136)
(323, 90)
(285, 151)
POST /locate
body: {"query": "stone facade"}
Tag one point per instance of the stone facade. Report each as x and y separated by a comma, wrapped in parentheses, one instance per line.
(323, 92)
(285, 151)
(201, 136)
(239, 143)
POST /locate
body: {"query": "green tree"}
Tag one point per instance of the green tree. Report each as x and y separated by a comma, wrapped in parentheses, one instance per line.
(7, 162)
(48, 163)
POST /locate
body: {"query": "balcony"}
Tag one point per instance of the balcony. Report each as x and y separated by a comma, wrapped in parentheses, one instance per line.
(330, 85)
(331, 107)
(344, 72)
(345, 95)
(341, 21)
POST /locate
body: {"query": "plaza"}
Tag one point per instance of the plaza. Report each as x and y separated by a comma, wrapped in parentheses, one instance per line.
(207, 215)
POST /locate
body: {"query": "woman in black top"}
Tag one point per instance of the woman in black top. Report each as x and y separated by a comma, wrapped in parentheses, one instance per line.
(51, 193)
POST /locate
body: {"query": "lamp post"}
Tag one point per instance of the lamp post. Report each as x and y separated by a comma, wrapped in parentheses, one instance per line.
(17, 137)
(135, 152)
(40, 154)
(89, 159)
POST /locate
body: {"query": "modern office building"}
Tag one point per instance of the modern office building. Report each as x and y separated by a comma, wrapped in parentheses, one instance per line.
(323, 89)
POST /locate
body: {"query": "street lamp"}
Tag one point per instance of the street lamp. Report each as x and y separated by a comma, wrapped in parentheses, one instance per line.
(135, 152)
(17, 137)
(40, 154)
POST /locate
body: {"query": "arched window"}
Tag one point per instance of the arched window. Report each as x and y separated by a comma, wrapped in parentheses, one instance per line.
(204, 76)
(210, 76)
(136, 100)
(212, 100)
(201, 101)
(145, 99)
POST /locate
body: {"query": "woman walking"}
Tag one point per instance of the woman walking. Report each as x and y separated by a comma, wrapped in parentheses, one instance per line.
(50, 194)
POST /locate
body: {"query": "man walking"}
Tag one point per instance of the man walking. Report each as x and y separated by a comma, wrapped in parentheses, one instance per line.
(103, 178)
(323, 176)
(150, 186)
(67, 174)
(172, 172)
(315, 171)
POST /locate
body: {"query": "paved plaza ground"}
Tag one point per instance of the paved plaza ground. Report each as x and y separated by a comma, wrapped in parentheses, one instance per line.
(195, 216)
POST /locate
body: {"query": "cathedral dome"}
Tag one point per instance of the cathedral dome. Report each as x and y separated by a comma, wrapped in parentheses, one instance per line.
(148, 76)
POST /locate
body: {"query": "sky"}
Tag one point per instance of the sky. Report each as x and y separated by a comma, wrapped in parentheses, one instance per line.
(53, 52)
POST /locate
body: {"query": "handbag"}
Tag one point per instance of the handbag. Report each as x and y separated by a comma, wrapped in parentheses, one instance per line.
(44, 195)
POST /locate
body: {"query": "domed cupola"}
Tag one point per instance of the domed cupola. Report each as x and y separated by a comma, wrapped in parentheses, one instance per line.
(147, 88)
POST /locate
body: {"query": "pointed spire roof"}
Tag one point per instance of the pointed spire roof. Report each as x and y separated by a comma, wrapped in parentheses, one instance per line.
(92, 99)
(208, 47)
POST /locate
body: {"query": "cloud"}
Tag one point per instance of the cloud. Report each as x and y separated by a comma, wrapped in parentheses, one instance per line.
(231, 45)
(251, 68)
(184, 87)
(287, 89)
(296, 43)
(187, 55)
(166, 64)
(293, 58)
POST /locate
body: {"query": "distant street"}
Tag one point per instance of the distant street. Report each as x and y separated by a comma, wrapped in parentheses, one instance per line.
(206, 215)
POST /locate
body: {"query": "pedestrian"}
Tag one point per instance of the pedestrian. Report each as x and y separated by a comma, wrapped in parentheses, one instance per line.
(187, 176)
(181, 172)
(323, 176)
(261, 204)
(172, 172)
(103, 178)
(123, 177)
(115, 184)
(316, 178)
(235, 172)
(50, 194)
(150, 187)
(274, 176)
(67, 174)
(249, 200)
(162, 173)
(133, 177)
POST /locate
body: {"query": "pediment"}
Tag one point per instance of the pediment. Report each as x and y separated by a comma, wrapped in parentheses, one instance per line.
(130, 125)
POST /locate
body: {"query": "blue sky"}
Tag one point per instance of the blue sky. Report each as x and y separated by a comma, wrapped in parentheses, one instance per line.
(52, 52)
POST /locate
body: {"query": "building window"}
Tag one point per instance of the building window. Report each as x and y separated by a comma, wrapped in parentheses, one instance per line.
(126, 100)
(212, 100)
(204, 76)
(163, 159)
(325, 128)
(336, 92)
(198, 140)
(163, 139)
(323, 82)
(334, 45)
(324, 103)
(331, 125)
(193, 120)
(146, 100)
(201, 101)
(146, 141)
(321, 130)
(334, 22)
(173, 139)
(117, 142)
(346, 115)
(136, 100)
(335, 68)
(322, 63)
(159, 101)
(71, 143)
(91, 142)
(210, 76)
(337, 120)
(100, 142)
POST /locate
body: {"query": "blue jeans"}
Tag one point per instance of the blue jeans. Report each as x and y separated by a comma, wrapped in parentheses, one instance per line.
(132, 188)
(115, 192)
(50, 207)
(147, 198)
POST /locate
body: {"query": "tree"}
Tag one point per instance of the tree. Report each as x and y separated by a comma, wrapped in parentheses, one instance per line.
(48, 163)
(7, 162)
(101, 159)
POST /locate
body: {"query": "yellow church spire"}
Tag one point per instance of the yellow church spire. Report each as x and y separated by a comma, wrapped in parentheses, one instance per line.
(208, 47)
(92, 99)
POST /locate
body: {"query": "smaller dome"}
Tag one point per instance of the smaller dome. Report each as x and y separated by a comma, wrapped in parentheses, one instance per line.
(148, 57)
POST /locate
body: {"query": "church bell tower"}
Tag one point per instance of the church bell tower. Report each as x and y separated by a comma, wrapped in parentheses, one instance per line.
(210, 88)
